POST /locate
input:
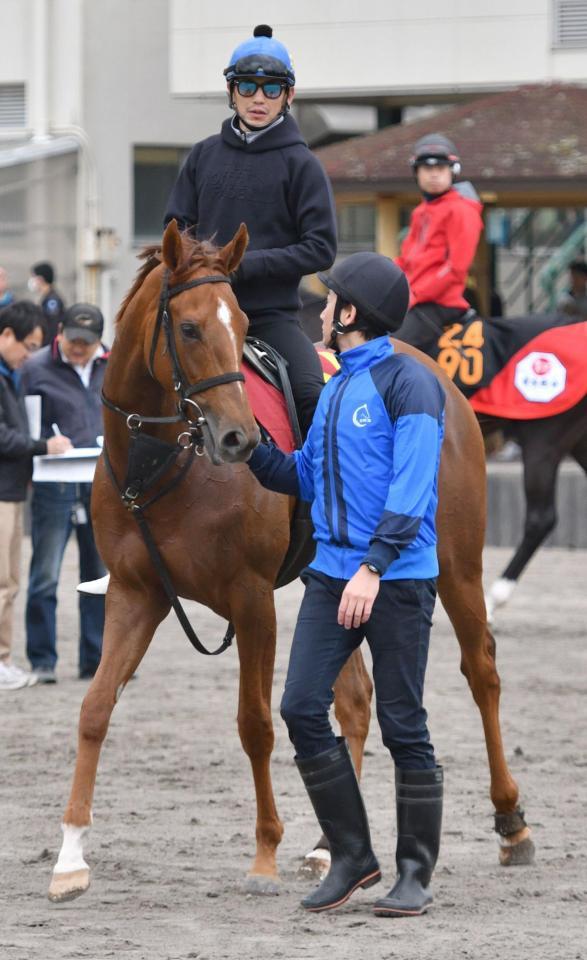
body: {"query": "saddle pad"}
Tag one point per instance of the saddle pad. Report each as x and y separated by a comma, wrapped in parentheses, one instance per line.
(520, 368)
(268, 403)
(544, 378)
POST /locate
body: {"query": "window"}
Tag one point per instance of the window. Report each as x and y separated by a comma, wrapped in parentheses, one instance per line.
(356, 227)
(155, 172)
(570, 23)
(12, 105)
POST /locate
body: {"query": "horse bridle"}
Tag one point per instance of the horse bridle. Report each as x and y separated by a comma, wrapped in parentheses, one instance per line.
(188, 410)
(194, 440)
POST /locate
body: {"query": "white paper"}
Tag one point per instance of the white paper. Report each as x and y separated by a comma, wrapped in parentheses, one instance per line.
(33, 411)
(76, 466)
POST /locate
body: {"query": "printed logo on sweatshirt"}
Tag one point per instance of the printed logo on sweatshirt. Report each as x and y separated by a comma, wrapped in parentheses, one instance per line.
(361, 416)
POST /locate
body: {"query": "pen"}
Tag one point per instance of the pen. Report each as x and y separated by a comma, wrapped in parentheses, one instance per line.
(56, 430)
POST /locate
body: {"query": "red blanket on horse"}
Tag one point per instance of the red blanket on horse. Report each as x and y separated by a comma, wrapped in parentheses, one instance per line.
(525, 368)
(269, 406)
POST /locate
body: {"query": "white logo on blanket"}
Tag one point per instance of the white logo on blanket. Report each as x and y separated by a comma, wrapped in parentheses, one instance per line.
(540, 377)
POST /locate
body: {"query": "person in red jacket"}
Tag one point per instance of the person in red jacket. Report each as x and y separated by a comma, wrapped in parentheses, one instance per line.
(440, 246)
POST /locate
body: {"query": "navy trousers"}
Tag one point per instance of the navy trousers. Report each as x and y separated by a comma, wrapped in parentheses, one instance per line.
(398, 634)
(55, 513)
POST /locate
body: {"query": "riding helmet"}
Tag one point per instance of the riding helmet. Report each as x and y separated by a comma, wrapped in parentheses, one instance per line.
(375, 285)
(261, 56)
(433, 149)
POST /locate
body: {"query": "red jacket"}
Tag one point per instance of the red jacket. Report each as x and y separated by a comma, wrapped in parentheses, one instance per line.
(439, 249)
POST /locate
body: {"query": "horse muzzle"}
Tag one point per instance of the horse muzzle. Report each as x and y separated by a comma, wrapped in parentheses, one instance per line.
(235, 445)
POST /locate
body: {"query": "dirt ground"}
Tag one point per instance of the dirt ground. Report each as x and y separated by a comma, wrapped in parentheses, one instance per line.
(174, 812)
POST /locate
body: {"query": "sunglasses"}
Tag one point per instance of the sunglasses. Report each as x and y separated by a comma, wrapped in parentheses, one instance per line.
(248, 88)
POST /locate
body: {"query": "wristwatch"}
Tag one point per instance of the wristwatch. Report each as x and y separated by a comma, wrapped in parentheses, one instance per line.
(372, 568)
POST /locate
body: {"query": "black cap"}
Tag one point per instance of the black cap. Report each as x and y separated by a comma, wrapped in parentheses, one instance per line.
(375, 285)
(83, 321)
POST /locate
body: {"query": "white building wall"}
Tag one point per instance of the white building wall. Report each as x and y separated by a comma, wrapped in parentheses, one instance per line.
(391, 48)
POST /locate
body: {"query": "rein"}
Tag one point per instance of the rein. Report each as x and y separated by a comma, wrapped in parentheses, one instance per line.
(149, 458)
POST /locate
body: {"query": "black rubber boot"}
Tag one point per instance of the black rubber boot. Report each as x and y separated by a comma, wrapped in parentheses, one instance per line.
(419, 820)
(334, 791)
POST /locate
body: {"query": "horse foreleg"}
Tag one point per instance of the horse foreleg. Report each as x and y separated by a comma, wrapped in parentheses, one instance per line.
(253, 615)
(353, 691)
(131, 620)
(462, 598)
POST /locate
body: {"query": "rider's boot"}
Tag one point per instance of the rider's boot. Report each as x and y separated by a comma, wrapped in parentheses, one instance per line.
(334, 792)
(94, 587)
(419, 820)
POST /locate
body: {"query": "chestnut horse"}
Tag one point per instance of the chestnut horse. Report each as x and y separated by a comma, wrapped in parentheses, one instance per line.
(166, 352)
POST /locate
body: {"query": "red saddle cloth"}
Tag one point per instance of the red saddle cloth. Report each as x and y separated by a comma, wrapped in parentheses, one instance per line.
(268, 403)
(547, 376)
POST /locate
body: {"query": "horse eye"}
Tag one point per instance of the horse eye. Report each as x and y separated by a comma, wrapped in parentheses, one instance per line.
(190, 331)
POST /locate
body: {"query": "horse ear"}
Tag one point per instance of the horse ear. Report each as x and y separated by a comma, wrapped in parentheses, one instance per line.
(233, 252)
(172, 247)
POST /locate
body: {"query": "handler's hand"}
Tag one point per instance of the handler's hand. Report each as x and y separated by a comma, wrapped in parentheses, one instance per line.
(358, 598)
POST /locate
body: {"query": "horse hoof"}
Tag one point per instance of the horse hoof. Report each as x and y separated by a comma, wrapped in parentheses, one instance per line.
(258, 885)
(315, 864)
(519, 855)
(68, 886)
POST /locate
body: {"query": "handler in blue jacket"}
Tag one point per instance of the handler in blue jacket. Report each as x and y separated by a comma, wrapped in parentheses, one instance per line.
(259, 171)
(369, 467)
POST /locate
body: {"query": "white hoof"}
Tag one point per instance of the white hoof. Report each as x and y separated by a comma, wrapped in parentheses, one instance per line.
(94, 587)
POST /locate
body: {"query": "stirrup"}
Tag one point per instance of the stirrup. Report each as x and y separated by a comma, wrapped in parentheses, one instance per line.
(94, 588)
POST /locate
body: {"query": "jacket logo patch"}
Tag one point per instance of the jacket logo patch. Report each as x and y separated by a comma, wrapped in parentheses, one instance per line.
(361, 416)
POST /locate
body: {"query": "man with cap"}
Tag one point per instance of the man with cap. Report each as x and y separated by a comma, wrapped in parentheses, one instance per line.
(369, 467)
(67, 375)
(259, 170)
(440, 247)
(41, 282)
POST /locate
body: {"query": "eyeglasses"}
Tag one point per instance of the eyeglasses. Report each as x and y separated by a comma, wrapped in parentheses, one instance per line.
(31, 347)
(248, 88)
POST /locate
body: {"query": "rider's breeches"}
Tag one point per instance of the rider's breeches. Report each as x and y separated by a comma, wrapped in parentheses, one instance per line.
(283, 332)
(425, 323)
(397, 632)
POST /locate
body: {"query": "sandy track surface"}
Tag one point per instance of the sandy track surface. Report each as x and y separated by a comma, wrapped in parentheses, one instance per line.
(174, 811)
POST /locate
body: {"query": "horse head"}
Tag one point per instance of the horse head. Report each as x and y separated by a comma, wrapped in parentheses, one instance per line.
(196, 341)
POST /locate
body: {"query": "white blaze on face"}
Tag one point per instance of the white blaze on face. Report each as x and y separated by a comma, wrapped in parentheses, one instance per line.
(224, 315)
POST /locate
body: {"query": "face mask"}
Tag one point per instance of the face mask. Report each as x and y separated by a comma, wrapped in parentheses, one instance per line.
(32, 284)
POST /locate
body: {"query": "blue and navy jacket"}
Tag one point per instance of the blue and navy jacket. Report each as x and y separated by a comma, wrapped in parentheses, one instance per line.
(369, 465)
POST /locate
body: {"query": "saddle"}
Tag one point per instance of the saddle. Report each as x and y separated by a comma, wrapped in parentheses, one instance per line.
(271, 399)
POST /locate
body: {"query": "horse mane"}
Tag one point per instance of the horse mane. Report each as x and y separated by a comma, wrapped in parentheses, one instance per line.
(197, 253)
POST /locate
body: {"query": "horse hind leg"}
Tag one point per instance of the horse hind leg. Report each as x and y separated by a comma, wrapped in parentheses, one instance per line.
(131, 621)
(253, 615)
(541, 463)
(353, 692)
(461, 593)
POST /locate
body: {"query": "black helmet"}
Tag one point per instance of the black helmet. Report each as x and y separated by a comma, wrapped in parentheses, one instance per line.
(433, 149)
(375, 285)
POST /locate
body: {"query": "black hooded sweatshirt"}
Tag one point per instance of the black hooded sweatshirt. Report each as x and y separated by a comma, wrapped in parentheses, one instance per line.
(277, 187)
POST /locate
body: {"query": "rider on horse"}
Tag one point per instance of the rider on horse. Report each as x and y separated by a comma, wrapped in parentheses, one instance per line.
(441, 243)
(370, 469)
(258, 170)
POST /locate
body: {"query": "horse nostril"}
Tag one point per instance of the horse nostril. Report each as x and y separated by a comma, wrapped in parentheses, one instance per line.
(233, 440)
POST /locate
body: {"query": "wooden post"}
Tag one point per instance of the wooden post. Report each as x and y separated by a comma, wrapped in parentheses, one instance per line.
(387, 226)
